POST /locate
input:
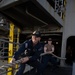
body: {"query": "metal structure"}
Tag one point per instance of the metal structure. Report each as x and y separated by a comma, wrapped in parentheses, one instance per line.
(13, 45)
(31, 21)
(10, 51)
(23, 13)
(59, 7)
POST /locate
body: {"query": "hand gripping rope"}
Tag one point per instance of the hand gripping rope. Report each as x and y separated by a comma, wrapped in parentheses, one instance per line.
(6, 66)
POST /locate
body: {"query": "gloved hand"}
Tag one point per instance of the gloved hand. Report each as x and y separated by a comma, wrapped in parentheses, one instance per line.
(25, 59)
(12, 61)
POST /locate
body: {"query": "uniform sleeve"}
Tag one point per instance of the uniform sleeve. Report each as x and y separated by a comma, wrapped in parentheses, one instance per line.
(20, 51)
(45, 48)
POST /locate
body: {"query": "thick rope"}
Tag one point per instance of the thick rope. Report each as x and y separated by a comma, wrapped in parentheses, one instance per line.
(6, 66)
(53, 55)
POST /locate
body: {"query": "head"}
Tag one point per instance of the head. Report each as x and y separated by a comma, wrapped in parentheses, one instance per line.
(36, 37)
(49, 41)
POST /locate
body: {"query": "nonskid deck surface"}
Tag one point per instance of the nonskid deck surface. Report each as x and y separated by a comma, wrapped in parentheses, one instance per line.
(56, 71)
(48, 71)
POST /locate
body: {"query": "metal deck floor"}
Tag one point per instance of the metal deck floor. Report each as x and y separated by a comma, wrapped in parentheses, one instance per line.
(57, 71)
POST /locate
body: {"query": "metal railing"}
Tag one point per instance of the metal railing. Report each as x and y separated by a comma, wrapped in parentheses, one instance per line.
(59, 6)
(3, 48)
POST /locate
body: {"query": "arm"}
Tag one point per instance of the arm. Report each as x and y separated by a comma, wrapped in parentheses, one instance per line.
(34, 57)
(19, 52)
(52, 49)
(45, 48)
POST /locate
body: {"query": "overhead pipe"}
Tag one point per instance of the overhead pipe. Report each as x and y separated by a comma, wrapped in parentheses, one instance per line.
(36, 18)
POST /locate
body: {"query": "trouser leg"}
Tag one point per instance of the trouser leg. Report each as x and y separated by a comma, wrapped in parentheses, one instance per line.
(21, 69)
(37, 65)
(53, 60)
(45, 60)
(40, 66)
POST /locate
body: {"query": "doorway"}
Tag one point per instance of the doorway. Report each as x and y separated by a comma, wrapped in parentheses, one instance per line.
(70, 50)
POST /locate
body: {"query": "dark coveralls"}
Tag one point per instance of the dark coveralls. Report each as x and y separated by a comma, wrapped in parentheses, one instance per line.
(33, 52)
(49, 58)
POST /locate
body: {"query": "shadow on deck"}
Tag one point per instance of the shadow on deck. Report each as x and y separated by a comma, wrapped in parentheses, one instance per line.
(57, 71)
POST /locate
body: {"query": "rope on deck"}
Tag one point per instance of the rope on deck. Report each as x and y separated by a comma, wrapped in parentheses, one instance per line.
(6, 66)
(3, 69)
(19, 61)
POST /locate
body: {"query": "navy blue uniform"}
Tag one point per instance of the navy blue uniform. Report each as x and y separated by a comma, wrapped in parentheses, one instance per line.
(33, 52)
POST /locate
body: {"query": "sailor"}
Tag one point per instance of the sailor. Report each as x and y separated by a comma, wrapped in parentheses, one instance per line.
(31, 50)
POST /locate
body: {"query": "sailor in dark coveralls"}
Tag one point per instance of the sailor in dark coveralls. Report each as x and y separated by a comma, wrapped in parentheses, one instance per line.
(31, 49)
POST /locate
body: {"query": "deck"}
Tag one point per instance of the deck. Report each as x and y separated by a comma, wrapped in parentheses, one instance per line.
(57, 71)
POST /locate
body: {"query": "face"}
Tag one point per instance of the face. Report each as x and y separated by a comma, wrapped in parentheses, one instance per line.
(49, 42)
(35, 39)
